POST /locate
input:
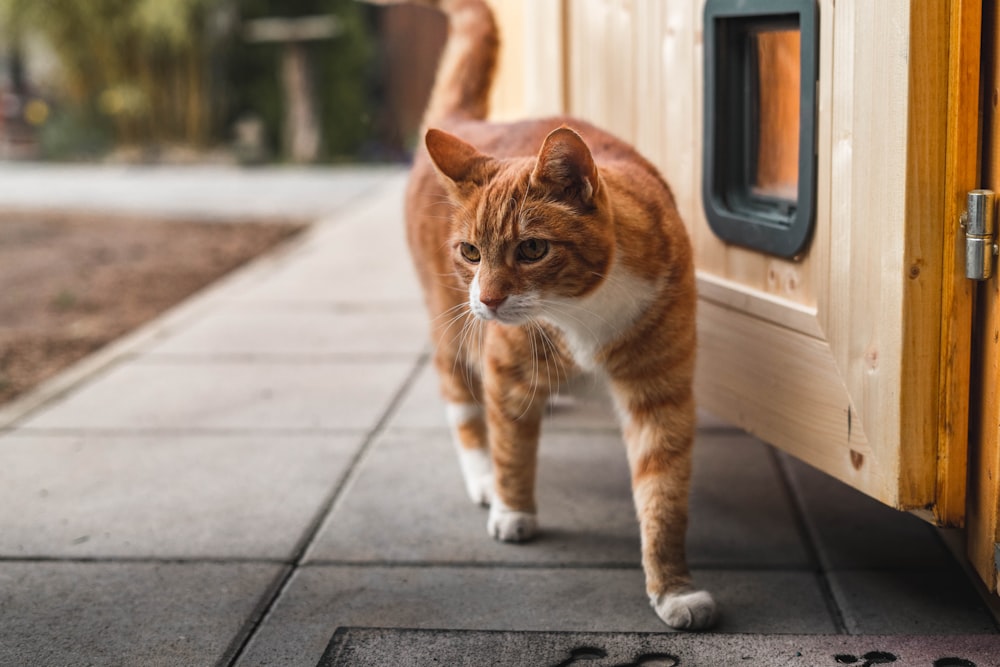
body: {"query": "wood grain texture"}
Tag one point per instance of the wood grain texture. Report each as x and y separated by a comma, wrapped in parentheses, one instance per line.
(544, 46)
(961, 175)
(531, 75)
(785, 388)
(507, 97)
(925, 231)
(983, 520)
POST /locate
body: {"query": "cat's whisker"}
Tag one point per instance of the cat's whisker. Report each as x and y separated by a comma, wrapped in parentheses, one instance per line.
(439, 200)
(460, 290)
(542, 349)
(472, 327)
(450, 311)
(521, 213)
(563, 309)
(482, 355)
(567, 308)
(446, 326)
(526, 403)
(556, 357)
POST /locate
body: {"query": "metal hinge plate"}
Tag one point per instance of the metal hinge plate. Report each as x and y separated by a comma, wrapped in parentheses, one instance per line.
(979, 222)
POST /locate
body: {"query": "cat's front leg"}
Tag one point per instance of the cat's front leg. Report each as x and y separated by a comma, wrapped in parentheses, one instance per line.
(468, 432)
(659, 436)
(515, 402)
(514, 450)
(461, 391)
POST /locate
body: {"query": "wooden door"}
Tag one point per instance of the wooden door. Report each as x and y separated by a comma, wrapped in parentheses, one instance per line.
(983, 524)
(854, 356)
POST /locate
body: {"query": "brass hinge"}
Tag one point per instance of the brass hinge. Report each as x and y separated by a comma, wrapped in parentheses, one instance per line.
(978, 222)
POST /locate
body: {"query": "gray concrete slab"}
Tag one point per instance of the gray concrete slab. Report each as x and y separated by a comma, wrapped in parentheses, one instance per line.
(268, 395)
(853, 531)
(741, 514)
(915, 602)
(149, 496)
(202, 191)
(407, 503)
(359, 258)
(320, 599)
(112, 613)
(320, 281)
(236, 329)
(361, 647)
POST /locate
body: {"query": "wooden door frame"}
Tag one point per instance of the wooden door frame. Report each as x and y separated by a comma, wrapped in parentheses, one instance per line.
(983, 517)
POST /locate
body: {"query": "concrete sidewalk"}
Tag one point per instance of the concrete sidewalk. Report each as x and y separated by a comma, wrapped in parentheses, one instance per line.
(269, 462)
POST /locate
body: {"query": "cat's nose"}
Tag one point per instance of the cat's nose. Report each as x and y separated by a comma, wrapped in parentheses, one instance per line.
(492, 302)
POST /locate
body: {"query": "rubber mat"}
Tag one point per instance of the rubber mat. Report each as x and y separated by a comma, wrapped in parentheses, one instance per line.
(362, 647)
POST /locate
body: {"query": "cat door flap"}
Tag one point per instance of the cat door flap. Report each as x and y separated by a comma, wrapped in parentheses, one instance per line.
(759, 181)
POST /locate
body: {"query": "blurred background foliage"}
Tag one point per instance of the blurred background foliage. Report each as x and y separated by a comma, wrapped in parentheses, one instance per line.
(154, 75)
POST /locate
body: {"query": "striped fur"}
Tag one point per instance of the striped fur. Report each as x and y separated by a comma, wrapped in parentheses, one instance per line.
(544, 247)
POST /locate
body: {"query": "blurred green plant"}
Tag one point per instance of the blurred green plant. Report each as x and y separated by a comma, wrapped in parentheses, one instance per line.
(177, 72)
(144, 65)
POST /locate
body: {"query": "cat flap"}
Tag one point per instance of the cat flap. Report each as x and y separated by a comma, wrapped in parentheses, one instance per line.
(565, 164)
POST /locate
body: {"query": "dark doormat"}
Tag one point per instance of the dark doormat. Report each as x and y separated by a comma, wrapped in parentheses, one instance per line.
(475, 648)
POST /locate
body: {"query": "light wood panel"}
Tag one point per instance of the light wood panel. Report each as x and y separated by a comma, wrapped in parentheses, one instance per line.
(601, 65)
(507, 98)
(666, 86)
(785, 388)
(545, 58)
(531, 71)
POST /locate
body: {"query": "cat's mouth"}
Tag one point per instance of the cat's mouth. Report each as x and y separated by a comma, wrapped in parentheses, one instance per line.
(510, 313)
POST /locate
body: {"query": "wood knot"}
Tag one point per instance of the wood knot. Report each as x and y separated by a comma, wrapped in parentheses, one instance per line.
(857, 459)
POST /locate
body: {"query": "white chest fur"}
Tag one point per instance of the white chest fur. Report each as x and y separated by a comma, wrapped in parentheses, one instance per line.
(597, 319)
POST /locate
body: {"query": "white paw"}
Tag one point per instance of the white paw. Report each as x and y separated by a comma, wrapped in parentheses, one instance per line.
(693, 610)
(478, 476)
(480, 489)
(509, 525)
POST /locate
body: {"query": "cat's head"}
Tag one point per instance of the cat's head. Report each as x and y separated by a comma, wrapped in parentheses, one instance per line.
(528, 233)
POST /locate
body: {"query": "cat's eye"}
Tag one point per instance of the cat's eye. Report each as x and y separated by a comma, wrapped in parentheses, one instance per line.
(469, 252)
(532, 250)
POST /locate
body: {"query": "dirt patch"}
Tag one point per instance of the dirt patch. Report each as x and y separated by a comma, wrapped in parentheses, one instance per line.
(69, 285)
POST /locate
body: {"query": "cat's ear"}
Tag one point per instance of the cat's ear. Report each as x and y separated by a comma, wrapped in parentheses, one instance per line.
(566, 166)
(454, 158)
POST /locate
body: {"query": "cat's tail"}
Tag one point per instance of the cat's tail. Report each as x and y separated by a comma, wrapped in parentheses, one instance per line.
(465, 71)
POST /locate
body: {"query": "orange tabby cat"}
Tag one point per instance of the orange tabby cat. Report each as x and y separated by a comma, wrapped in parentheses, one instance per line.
(544, 248)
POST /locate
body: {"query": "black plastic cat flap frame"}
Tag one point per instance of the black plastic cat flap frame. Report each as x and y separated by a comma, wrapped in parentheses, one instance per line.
(759, 181)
